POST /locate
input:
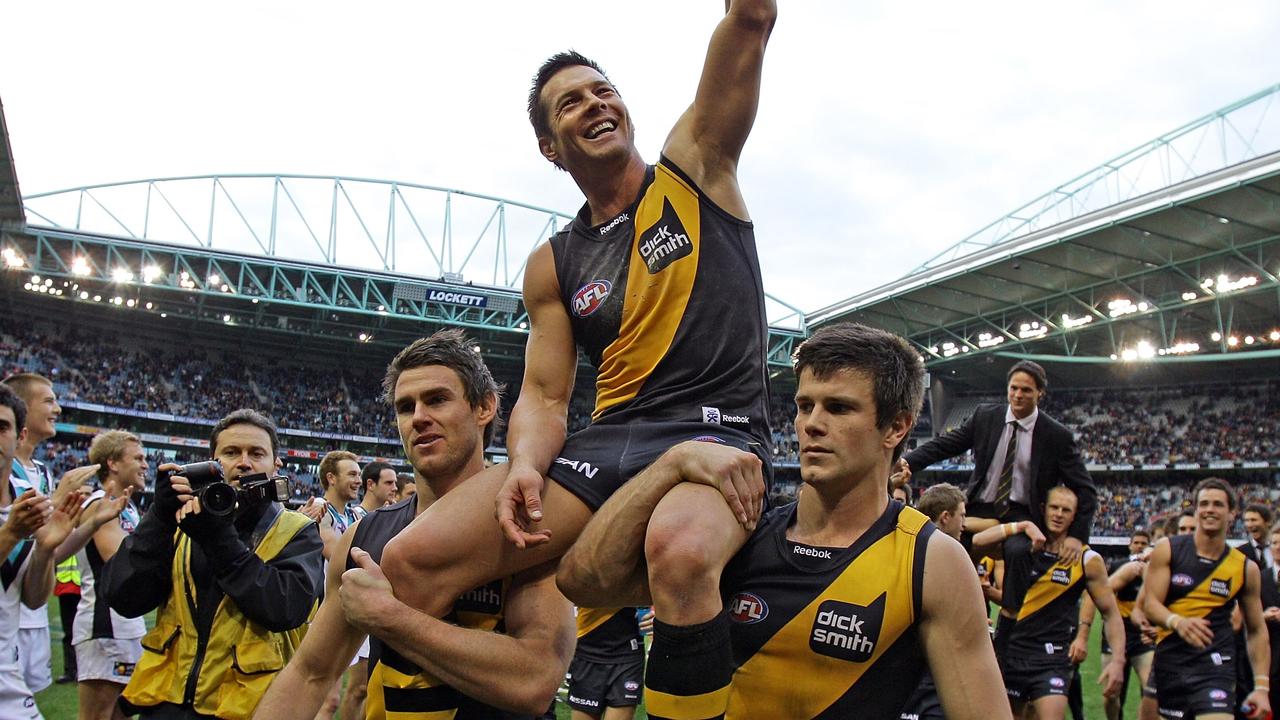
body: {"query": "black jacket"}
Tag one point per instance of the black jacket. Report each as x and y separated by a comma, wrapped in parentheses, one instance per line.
(1055, 460)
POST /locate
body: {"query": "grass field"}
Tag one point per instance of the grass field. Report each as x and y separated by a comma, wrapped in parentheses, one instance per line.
(59, 701)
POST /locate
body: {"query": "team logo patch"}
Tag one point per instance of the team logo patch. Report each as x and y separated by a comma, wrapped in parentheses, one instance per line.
(122, 669)
(665, 242)
(1062, 576)
(1220, 587)
(631, 685)
(846, 631)
(1057, 682)
(590, 297)
(1182, 580)
(748, 608)
(709, 438)
(711, 415)
(1217, 694)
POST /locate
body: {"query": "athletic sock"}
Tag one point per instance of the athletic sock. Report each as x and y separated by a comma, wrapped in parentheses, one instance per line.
(689, 670)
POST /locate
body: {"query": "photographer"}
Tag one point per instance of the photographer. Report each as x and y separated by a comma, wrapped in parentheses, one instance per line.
(233, 590)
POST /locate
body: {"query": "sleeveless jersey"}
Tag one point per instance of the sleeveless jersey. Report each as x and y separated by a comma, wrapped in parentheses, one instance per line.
(827, 632)
(12, 568)
(666, 302)
(1049, 610)
(341, 520)
(95, 619)
(38, 478)
(1201, 588)
(1127, 596)
(399, 689)
(609, 635)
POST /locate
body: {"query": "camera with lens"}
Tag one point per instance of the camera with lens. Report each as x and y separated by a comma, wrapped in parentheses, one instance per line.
(220, 498)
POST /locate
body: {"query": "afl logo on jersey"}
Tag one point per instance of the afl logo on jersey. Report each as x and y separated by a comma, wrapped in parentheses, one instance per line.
(590, 297)
(1182, 580)
(747, 608)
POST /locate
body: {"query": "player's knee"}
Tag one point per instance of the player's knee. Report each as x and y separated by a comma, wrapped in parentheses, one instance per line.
(681, 551)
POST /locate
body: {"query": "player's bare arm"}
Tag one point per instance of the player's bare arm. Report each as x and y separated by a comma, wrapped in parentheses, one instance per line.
(1256, 635)
(953, 625)
(1195, 631)
(1098, 584)
(517, 671)
(606, 566)
(992, 538)
(325, 653)
(707, 140)
(537, 427)
(38, 583)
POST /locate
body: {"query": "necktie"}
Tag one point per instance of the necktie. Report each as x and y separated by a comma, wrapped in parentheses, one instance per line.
(1005, 485)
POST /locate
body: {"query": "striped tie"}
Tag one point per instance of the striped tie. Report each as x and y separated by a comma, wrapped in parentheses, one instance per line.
(1005, 486)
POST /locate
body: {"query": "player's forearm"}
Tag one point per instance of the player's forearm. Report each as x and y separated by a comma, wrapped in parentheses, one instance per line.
(297, 692)
(537, 431)
(607, 561)
(511, 673)
(8, 540)
(38, 583)
(75, 541)
(997, 534)
(1113, 627)
(1259, 649)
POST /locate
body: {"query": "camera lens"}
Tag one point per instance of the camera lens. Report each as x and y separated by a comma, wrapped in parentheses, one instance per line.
(218, 498)
(201, 473)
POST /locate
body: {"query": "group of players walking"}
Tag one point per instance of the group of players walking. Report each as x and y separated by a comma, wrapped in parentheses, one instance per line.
(834, 606)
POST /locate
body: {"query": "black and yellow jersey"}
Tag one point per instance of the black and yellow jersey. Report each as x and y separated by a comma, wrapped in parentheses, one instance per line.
(1050, 609)
(1126, 596)
(399, 689)
(827, 632)
(986, 567)
(1201, 588)
(609, 635)
(666, 302)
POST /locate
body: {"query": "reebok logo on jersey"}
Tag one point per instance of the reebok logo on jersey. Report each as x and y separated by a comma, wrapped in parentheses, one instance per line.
(747, 608)
(614, 223)
(665, 242)
(590, 297)
(581, 466)
(1220, 587)
(1062, 576)
(846, 631)
(713, 416)
(811, 552)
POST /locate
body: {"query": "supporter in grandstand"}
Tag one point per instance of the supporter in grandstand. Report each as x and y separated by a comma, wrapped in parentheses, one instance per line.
(1126, 582)
(607, 672)
(1035, 650)
(31, 529)
(670, 310)
(1257, 522)
(1019, 453)
(233, 592)
(28, 473)
(803, 592)
(445, 402)
(340, 476)
(107, 645)
(1192, 583)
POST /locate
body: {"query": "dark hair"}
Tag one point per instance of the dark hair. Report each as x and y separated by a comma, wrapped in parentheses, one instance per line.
(943, 497)
(1214, 483)
(1033, 369)
(551, 66)
(372, 472)
(895, 368)
(10, 399)
(454, 350)
(1140, 531)
(1262, 510)
(403, 479)
(245, 416)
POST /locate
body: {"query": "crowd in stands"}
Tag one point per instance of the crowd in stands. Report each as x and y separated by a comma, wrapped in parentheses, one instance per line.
(1124, 504)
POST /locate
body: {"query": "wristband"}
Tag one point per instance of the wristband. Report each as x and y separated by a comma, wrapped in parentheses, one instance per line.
(1008, 528)
(1171, 622)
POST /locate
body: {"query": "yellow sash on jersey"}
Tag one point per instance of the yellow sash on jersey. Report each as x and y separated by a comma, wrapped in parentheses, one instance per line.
(786, 679)
(1200, 601)
(1045, 589)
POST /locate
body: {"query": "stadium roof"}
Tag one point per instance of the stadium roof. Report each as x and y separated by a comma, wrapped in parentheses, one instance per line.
(1117, 266)
(10, 198)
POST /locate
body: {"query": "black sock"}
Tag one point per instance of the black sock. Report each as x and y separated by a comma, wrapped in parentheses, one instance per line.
(689, 670)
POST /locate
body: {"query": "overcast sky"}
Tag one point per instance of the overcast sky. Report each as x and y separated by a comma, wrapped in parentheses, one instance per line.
(887, 131)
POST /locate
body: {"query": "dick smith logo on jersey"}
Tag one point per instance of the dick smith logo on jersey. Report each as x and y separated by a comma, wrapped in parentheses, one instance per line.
(846, 631)
(590, 297)
(665, 242)
(1220, 587)
(1062, 576)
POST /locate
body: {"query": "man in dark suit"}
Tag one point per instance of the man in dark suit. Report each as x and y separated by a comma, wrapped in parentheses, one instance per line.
(1271, 610)
(1257, 527)
(1019, 454)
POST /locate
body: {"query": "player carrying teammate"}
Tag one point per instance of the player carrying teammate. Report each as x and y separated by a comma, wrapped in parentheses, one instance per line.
(657, 280)
(1192, 583)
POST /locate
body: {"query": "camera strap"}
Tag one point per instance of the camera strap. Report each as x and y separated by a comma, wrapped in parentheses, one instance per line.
(269, 515)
